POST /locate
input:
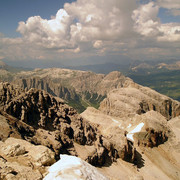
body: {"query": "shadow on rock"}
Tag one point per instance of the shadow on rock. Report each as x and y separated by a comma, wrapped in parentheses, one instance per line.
(138, 160)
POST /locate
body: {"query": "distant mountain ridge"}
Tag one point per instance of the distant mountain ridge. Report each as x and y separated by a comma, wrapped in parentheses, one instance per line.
(132, 66)
(86, 88)
(162, 76)
(79, 88)
(11, 69)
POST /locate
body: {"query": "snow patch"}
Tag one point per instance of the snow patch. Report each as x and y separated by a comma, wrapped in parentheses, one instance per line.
(115, 121)
(73, 168)
(129, 125)
(135, 130)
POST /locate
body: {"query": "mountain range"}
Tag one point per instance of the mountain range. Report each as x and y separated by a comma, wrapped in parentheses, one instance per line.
(79, 88)
(136, 66)
(162, 76)
(125, 130)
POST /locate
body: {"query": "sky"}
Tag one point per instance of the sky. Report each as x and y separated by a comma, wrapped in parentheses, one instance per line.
(70, 32)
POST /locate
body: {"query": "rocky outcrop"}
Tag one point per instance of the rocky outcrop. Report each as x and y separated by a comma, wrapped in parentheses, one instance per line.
(6, 130)
(155, 140)
(7, 92)
(155, 130)
(118, 146)
(80, 81)
(79, 88)
(55, 89)
(136, 99)
(149, 129)
(113, 136)
(39, 155)
(55, 128)
(151, 138)
(22, 160)
(39, 117)
(148, 110)
(45, 120)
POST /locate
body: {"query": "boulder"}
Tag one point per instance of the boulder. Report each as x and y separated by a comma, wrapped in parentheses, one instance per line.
(38, 155)
(22, 160)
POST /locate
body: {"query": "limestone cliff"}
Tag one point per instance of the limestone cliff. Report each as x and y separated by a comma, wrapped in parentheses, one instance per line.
(79, 88)
(136, 99)
(42, 119)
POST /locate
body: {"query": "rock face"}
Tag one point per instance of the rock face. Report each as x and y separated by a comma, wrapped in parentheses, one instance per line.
(22, 160)
(126, 102)
(153, 132)
(45, 120)
(156, 142)
(42, 113)
(38, 155)
(145, 110)
(114, 137)
(148, 130)
(81, 81)
(79, 88)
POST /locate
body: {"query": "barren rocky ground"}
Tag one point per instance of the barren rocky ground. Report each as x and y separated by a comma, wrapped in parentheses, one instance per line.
(134, 134)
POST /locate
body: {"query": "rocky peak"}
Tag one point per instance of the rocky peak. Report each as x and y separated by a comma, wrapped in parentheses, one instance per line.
(136, 99)
(79, 88)
(45, 120)
(8, 91)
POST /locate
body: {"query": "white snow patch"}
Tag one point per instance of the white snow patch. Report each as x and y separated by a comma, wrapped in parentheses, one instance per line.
(115, 121)
(73, 168)
(129, 125)
(135, 130)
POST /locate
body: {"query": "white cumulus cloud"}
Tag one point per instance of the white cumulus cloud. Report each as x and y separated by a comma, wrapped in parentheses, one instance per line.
(80, 22)
(87, 28)
(146, 20)
(171, 32)
(53, 33)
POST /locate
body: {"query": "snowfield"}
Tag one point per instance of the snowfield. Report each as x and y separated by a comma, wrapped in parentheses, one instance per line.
(135, 130)
(73, 168)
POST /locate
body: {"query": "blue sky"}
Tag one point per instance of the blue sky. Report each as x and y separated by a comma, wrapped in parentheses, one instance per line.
(167, 17)
(21, 10)
(88, 32)
(14, 11)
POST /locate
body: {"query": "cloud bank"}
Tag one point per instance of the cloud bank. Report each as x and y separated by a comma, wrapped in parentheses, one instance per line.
(88, 28)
